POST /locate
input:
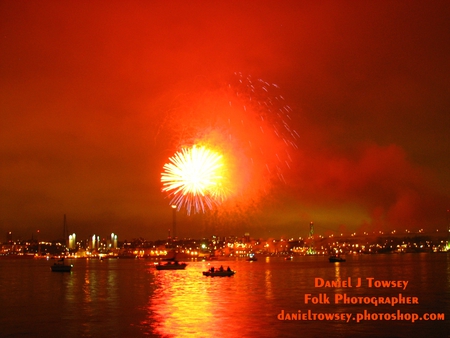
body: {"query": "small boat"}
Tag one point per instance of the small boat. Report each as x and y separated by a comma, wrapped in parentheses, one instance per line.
(336, 258)
(289, 258)
(171, 265)
(61, 267)
(252, 258)
(218, 273)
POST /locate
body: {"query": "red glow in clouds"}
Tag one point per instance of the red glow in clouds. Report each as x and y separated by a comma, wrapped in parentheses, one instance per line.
(97, 97)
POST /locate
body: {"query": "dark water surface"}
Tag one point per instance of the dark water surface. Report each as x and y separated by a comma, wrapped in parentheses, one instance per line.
(129, 298)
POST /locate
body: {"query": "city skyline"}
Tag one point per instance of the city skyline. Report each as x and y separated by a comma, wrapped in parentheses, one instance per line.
(95, 100)
(228, 247)
(306, 234)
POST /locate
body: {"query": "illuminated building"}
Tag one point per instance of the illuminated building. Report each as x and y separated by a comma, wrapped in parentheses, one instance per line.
(72, 241)
(113, 244)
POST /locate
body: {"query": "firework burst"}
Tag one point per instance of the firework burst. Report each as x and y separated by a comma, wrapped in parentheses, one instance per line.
(248, 122)
(195, 179)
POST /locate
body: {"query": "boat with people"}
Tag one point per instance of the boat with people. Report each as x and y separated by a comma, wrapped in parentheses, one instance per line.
(221, 272)
(60, 266)
(336, 258)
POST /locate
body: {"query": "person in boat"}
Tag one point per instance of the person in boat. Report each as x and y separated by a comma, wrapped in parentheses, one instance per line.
(228, 269)
(212, 269)
(221, 268)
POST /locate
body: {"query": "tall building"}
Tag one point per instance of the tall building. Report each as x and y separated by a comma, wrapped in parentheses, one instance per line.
(73, 241)
(311, 249)
(113, 241)
(93, 246)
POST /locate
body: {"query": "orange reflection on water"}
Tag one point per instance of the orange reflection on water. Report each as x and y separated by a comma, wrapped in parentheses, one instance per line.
(337, 271)
(183, 303)
(268, 284)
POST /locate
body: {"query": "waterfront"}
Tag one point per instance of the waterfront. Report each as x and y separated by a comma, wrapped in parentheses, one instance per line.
(129, 298)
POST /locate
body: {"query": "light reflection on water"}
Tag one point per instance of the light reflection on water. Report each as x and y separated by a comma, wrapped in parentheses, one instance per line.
(268, 284)
(186, 303)
(130, 298)
(246, 305)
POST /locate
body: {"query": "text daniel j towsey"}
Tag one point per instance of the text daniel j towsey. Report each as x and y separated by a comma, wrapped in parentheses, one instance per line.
(370, 282)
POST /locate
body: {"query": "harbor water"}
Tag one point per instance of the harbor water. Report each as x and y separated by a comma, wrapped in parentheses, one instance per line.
(397, 295)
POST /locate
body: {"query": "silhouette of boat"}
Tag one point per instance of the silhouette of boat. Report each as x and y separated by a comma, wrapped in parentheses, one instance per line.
(335, 259)
(171, 264)
(174, 265)
(59, 266)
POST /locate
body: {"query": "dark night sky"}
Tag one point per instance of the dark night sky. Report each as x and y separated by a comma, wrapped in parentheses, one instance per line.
(86, 84)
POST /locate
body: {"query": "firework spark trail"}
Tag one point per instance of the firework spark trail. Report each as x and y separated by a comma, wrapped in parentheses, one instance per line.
(263, 100)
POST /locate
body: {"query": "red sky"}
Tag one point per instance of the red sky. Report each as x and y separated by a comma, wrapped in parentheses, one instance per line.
(86, 88)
